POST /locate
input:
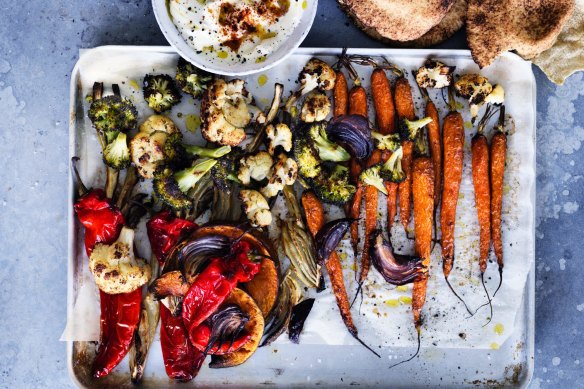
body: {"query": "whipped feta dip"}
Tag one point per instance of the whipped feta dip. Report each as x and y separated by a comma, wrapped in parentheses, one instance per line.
(236, 30)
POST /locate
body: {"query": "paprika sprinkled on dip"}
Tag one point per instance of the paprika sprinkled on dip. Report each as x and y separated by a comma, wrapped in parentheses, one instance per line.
(235, 30)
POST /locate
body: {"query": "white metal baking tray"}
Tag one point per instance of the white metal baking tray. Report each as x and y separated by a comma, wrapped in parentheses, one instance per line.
(511, 365)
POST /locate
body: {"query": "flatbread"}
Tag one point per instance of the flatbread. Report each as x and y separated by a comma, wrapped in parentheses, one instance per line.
(526, 26)
(398, 20)
(452, 22)
(566, 55)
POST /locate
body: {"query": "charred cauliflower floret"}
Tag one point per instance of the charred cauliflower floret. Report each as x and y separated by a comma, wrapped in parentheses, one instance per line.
(497, 96)
(279, 135)
(115, 267)
(434, 74)
(284, 172)
(316, 74)
(256, 208)
(147, 147)
(475, 88)
(256, 167)
(225, 112)
(316, 107)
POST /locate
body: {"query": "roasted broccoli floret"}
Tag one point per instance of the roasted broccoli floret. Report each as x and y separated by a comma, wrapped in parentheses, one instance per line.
(333, 186)
(117, 154)
(386, 142)
(408, 130)
(372, 176)
(160, 92)
(256, 167)
(166, 189)
(225, 171)
(316, 74)
(171, 187)
(434, 74)
(191, 79)
(315, 108)
(112, 114)
(327, 150)
(307, 157)
(175, 154)
(187, 178)
(392, 169)
(279, 135)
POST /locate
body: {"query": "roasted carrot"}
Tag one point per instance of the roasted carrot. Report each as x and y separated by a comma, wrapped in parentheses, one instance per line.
(435, 147)
(497, 173)
(453, 140)
(358, 101)
(453, 155)
(353, 212)
(480, 179)
(392, 189)
(340, 95)
(314, 214)
(383, 102)
(385, 114)
(404, 104)
(370, 218)
(498, 153)
(357, 106)
(423, 194)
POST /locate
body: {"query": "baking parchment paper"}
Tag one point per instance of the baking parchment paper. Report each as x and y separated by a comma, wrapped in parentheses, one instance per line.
(384, 318)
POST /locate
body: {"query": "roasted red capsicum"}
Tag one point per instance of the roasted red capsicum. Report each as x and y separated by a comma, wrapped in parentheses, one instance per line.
(182, 360)
(214, 284)
(164, 231)
(120, 313)
(102, 220)
(204, 341)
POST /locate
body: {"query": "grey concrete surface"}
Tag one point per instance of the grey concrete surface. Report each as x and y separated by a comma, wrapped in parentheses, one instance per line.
(39, 43)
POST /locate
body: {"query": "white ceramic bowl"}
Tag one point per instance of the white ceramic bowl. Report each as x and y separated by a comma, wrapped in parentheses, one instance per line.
(230, 69)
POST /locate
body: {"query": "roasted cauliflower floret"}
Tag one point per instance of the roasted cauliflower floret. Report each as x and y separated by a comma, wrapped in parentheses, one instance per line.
(256, 167)
(256, 208)
(159, 123)
(475, 88)
(225, 112)
(316, 107)
(434, 74)
(115, 267)
(147, 152)
(279, 135)
(147, 147)
(316, 74)
(497, 96)
(284, 172)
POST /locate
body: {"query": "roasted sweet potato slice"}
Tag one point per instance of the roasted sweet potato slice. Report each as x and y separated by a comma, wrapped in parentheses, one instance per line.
(264, 286)
(254, 327)
(169, 284)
